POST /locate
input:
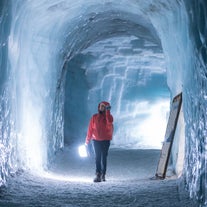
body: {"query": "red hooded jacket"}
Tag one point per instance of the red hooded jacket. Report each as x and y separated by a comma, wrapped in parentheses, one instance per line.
(100, 126)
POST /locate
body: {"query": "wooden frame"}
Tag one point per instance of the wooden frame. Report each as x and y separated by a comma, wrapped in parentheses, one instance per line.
(169, 137)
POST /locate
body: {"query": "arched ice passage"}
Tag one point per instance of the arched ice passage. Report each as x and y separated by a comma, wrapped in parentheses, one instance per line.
(44, 36)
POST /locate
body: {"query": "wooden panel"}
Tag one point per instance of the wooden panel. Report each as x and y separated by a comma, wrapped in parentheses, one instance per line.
(169, 136)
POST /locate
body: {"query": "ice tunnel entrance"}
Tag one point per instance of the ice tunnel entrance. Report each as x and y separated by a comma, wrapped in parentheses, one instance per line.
(130, 73)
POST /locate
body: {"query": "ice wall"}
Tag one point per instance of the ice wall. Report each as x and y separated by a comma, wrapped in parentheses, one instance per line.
(195, 103)
(8, 144)
(187, 32)
(41, 37)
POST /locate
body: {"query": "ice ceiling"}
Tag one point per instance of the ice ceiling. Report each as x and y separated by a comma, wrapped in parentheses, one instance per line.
(47, 47)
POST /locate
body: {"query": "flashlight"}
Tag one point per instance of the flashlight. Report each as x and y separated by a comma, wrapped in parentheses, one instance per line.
(83, 151)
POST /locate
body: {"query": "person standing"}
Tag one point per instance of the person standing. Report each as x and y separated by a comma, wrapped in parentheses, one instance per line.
(100, 131)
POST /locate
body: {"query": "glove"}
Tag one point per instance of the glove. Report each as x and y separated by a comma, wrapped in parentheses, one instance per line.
(108, 107)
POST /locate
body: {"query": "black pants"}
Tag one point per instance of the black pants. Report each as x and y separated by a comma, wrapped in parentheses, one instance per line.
(101, 151)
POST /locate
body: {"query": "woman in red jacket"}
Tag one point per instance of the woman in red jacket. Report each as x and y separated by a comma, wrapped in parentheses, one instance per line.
(100, 131)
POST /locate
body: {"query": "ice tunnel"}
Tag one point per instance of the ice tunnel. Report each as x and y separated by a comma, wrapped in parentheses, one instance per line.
(59, 58)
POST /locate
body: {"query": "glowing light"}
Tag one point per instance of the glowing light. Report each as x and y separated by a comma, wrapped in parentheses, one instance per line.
(82, 151)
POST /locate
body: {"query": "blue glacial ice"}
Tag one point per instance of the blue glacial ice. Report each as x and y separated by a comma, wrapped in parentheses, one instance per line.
(58, 59)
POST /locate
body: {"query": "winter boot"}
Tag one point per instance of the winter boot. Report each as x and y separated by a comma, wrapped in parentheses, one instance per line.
(97, 178)
(103, 177)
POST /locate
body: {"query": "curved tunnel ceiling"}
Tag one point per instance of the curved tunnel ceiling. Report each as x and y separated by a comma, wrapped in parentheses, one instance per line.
(99, 26)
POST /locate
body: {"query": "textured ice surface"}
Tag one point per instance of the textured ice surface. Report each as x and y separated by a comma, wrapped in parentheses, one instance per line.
(70, 183)
(40, 38)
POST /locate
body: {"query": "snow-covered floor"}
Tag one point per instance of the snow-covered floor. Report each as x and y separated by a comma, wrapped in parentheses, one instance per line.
(70, 183)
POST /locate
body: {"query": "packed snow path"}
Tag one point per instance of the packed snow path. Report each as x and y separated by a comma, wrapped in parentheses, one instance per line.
(128, 183)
